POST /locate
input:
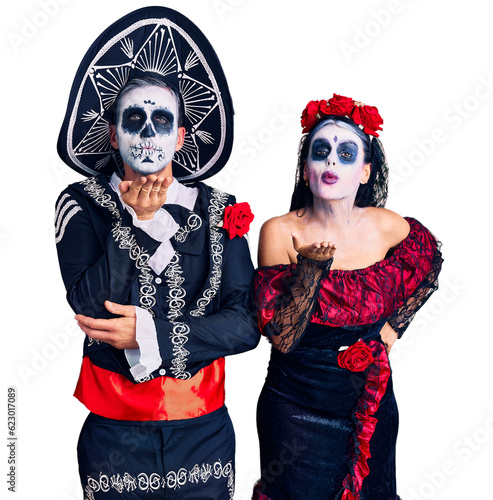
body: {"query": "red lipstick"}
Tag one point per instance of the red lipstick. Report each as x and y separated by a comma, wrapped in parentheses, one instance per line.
(329, 177)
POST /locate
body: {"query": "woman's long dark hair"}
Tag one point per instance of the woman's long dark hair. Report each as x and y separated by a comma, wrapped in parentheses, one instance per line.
(371, 194)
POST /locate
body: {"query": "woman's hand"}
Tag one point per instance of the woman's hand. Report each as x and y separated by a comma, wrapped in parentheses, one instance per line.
(145, 195)
(389, 336)
(320, 251)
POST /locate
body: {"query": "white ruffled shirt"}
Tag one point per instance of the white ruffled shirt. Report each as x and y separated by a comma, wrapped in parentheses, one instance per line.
(161, 227)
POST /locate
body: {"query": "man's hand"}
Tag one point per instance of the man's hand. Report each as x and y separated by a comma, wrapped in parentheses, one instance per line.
(389, 336)
(145, 195)
(320, 251)
(118, 332)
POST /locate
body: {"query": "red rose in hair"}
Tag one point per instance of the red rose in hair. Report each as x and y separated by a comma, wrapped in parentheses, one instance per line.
(340, 105)
(309, 116)
(237, 219)
(370, 119)
(356, 358)
(325, 107)
(356, 116)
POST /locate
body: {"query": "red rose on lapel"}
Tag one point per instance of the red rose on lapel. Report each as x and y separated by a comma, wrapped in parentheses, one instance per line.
(356, 358)
(237, 219)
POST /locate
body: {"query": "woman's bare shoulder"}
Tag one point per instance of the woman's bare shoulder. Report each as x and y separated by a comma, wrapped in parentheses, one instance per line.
(393, 227)
(275, 242)
(285, 223)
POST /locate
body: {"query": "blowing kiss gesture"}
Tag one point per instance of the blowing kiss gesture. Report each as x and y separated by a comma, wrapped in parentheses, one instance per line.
(145, 195)
(323, 250)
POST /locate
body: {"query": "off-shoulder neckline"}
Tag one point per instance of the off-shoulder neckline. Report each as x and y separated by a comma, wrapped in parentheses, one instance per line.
(413, 223)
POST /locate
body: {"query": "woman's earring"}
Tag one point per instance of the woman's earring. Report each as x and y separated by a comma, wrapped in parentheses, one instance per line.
(306, 182)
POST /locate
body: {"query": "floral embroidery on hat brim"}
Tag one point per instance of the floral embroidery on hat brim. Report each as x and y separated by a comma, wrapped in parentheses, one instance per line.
(366, 116)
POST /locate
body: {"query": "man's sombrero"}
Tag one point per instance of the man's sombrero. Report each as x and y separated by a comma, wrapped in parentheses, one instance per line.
(162, 43)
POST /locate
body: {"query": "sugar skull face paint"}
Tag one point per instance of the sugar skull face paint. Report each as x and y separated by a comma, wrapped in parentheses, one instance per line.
(147, 128)
(335, 164)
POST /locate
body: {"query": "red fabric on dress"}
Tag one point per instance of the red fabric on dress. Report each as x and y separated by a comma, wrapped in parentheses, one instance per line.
(377, 377)
(361, 296)
(357, 298)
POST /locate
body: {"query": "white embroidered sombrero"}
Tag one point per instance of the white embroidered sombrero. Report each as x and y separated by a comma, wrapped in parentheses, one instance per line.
(162, 43)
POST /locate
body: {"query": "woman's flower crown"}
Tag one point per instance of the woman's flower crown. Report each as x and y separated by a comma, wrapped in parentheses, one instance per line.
(360, 113)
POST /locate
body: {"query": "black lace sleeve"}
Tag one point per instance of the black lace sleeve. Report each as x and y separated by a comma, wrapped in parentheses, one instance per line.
(403, 316)
(285, 304)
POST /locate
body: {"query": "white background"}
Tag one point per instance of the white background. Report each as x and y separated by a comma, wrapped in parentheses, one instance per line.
(425, 64)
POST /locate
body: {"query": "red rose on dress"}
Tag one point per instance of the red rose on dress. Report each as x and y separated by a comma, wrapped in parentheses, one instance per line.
(309, 116)
(340, 105)
(356, 357)
(237, 219)
(370, 119)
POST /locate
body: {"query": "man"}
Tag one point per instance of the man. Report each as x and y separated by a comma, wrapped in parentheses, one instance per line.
(158, 283)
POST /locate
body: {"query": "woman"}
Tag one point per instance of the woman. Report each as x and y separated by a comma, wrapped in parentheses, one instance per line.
(340, 278)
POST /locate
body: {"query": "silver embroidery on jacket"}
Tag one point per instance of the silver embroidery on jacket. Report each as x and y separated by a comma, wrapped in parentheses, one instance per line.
(176, 300)
(193, 223)
(63, 215)
(175, 280)
(216, 212)
(126, 241)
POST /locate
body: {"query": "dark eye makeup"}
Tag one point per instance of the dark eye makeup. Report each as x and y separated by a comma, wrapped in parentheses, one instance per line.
(347, 152)
(321, 148)
(132, 119)
(163, 120)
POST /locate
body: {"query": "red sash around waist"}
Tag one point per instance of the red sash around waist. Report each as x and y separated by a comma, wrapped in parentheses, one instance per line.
(112, 395)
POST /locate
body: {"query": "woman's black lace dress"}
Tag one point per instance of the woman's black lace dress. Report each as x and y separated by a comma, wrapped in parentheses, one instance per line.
(327, 416)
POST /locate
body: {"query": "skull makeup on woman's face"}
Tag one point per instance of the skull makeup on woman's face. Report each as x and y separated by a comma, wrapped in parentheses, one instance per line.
(335, 165)
(147, 128)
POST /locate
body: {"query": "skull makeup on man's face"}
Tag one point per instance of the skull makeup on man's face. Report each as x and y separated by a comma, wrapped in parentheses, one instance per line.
(147, 128)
